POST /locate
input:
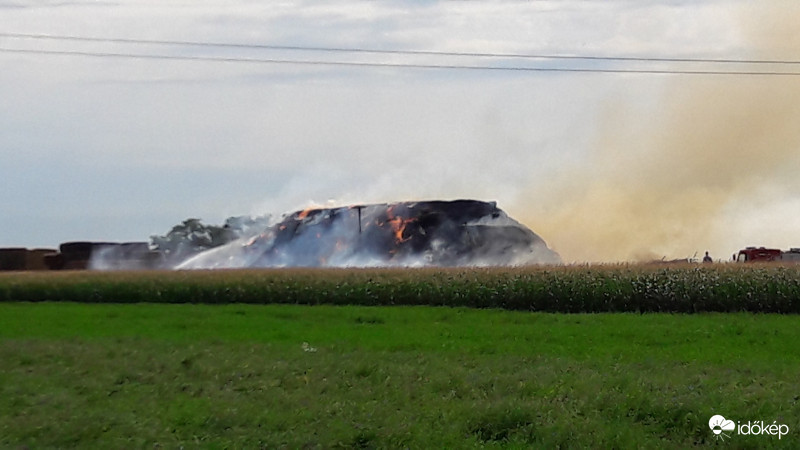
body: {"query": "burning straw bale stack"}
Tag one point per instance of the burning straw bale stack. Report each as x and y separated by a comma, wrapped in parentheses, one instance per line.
(425, 233)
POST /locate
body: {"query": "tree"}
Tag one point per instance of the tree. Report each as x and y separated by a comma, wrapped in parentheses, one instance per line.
(192, 236)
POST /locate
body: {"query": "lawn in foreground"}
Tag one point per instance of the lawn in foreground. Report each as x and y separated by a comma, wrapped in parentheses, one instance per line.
(247, 376)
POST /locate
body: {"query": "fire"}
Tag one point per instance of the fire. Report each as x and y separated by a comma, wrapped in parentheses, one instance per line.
(398, 225)
(304, 213)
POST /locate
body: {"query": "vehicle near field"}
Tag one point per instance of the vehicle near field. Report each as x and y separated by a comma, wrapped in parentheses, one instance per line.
(761, 254)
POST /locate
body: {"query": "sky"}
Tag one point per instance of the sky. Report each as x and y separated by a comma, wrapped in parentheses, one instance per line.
(605, 165)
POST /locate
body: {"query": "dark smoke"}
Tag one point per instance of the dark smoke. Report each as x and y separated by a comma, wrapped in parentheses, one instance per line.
(430, 233)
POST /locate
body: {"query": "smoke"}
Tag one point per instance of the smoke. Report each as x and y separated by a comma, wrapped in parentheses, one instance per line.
(677, 164)
(680, 175)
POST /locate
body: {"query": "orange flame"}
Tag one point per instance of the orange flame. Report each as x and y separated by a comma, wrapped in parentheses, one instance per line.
(304, 213)
(398, 225)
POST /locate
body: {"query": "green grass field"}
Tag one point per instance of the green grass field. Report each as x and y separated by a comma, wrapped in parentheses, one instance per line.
(286, 376)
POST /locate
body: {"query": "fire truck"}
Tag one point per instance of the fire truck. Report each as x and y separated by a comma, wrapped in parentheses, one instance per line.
(761, 254)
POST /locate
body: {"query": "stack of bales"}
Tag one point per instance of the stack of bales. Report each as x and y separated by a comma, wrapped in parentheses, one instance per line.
(19, 258)
(108, 256)
(77, 255)
(35, 259)
(12, 258)
(81, 255)
(125, 256)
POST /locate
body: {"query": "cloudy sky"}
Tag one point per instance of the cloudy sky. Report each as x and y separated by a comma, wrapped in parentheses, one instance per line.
(118, 137)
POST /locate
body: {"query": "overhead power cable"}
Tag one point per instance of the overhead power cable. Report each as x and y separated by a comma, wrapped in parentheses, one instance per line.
(396, 52)
(321, 62)
(394, 65)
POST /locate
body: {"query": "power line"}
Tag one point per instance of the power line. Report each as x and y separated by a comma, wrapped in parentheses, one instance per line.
(394, 65)
(318, 62)
(397, 52)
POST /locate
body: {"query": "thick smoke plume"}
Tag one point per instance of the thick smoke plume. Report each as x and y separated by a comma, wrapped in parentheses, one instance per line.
(431, 233)
(684, 173)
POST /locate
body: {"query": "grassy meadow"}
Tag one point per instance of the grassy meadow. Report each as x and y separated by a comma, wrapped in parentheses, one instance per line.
(154, 374)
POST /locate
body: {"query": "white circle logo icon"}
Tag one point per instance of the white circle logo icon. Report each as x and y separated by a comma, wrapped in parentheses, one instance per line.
(719, 425)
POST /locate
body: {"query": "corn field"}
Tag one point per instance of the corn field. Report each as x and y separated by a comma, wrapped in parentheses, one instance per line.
(570, 289)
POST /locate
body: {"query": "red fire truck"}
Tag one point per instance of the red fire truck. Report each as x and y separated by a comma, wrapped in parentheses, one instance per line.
(761, 254)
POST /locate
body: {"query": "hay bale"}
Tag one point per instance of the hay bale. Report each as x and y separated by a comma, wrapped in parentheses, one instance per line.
(134, 250)
(54, 261)
(80, 255)
(138, 256)
(76, 264)
(34, 259)
(75, 250)
(115, 256)
(80, 250)
(155, 260)
(13, 258)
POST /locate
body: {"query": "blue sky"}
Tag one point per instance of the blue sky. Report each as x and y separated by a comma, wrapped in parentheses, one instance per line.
(120, 149)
